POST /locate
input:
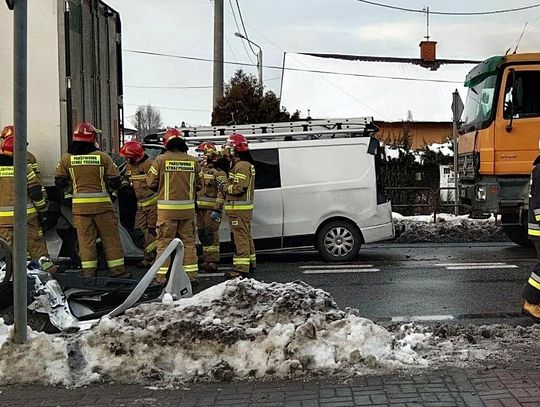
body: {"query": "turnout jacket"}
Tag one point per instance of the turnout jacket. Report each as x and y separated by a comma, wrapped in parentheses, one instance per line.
(35, 199)
(239, 190)
(91, 175)
(210, 195)
(175, 177)
(135, 176)
(534, 202)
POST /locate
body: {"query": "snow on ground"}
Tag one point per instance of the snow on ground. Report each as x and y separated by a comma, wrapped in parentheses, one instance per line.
(448, 228)
(243, 329)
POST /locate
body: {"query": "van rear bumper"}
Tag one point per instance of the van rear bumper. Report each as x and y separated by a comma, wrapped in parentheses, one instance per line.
(379, 227)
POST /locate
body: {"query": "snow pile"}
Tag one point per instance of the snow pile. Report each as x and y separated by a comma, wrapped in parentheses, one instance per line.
(245, 329)
(445, 149)
(448, 228)
(235, 330)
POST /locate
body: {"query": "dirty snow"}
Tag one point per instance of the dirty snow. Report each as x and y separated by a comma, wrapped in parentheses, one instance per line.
(448, 228)
(240, 329)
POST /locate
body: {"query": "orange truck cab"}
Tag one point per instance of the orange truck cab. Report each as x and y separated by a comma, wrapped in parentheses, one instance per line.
(499, 139)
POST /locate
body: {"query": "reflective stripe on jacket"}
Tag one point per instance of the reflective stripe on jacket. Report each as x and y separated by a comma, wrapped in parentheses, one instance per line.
(239, 190)
(210, 196)
(88, 175)
(175, 175)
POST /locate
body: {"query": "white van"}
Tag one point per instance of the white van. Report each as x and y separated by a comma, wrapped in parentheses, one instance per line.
(316, 184)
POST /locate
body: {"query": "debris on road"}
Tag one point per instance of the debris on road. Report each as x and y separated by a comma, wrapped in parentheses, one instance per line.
(240, 329)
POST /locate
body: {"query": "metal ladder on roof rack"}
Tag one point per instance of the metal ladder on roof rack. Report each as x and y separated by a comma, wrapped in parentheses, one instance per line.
(309, 129)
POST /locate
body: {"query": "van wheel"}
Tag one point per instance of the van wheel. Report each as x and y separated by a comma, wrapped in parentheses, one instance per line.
(338, 241)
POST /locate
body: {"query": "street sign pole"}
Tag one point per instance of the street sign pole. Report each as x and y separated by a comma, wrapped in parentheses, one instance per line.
(20, 167)
(457, 110)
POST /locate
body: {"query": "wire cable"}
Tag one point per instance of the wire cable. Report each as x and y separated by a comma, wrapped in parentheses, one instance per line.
(448, 13)
(171, 108)
(167, 87)
(403, 78)
(239, 30)
(244, 26)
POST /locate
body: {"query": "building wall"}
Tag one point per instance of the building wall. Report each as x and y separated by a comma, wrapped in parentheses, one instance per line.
(422, 133)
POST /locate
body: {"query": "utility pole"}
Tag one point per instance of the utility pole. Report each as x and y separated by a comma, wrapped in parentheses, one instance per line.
(218, 51)
(20, 45)
(260, 66)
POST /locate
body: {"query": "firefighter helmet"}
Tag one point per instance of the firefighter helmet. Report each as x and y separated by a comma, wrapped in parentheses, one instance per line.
(85, 132)
(208, 149)
(132, 150)
(237, 142)
(172, 134)
(8, 131)
(6, 146)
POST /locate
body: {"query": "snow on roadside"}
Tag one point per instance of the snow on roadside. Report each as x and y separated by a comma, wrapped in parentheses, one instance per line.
(448, 228)
(236, 330)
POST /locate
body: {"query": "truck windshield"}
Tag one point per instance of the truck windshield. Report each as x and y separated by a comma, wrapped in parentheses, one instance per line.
(479, 104)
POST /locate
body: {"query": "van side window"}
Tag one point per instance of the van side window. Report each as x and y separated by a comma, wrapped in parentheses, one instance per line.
(522, 95)
(266, 168)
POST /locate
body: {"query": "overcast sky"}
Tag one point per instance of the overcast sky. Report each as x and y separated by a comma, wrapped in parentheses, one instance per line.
(185, 27)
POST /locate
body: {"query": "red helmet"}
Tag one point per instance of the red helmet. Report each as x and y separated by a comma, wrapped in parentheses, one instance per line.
(237, 142)
(85, 132)
(172, 134)
(132, 150)
(207, 148)
(8, 131)
(6, 146)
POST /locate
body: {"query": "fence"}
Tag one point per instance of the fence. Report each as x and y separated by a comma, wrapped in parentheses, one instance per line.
(425, 197)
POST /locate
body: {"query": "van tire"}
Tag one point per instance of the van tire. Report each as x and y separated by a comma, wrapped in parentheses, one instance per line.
(338, 241)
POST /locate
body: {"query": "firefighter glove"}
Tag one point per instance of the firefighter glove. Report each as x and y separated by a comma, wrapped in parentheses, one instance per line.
(216, 216)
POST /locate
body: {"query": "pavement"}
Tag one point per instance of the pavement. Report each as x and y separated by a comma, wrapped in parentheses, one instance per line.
(491, 388)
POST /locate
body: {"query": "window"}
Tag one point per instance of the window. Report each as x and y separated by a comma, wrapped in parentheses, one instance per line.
(479, 103)
(266, 168)
(522, 95)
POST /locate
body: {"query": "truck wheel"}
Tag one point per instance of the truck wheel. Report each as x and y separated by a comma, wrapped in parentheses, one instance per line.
(518, 233)
(338, 241)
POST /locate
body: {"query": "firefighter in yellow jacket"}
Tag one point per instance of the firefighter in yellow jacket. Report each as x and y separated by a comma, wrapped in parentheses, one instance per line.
(531, 291)
(138, 165)
(238, 192)
(30, 158)
(210, 206)
(91, 174)
(175, 177)
(37, 249)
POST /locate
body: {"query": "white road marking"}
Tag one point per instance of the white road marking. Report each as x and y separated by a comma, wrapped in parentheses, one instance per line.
(202, 275)
(340, 271)
(422, 318)
(480, 267)
(468, 264)
(337, 266)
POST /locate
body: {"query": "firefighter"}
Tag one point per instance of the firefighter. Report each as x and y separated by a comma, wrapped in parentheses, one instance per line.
(209, 206)
(92, 174)
(238, 192)
(37, 249)
(30, 158)
(138, 165)
(174, 175)
(531, 291)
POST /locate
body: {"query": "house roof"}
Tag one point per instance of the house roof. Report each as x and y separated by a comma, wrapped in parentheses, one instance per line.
(383, 87)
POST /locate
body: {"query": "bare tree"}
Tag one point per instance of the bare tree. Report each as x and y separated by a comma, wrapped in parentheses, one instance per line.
(147, 120)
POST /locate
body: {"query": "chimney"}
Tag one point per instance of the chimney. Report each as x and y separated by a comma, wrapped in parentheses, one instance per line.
(428, 51)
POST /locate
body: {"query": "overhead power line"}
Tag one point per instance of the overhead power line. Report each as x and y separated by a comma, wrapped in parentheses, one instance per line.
(171, 108)
(451, 13)
(244, 27)
(403, 78)
(167, 87)
(238, 28)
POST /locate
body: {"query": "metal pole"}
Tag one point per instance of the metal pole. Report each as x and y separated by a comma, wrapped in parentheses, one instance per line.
(260, 66)
(455, 137)
(218, 51)
(20, 167)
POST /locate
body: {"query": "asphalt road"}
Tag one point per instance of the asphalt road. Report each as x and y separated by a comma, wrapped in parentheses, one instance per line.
(456, 283)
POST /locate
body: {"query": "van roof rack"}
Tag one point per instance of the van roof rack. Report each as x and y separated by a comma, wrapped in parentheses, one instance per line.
(287, 131)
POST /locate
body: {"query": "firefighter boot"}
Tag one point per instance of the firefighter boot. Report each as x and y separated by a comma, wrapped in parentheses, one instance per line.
(532, 310)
